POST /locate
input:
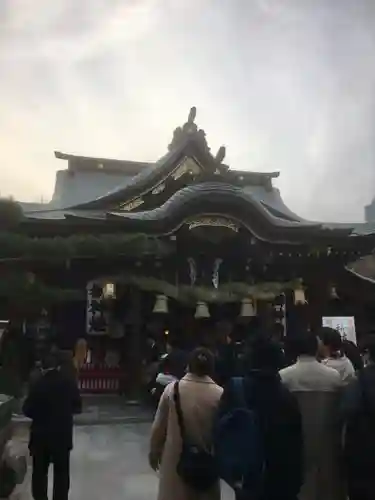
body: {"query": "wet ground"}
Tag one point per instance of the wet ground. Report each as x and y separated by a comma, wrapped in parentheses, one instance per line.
(110, 461)
(100, 409)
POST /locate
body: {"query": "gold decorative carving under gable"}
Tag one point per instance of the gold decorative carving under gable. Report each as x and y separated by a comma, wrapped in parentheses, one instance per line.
(213, 221)
(128, 207)
(188, 165)
(158, 189)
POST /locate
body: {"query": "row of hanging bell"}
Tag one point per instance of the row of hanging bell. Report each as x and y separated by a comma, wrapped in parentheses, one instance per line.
(248, 308)
(202, 310)
(300, 298)
(161, 307)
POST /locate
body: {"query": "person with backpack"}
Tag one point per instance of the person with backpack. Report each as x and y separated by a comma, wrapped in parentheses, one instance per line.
(181, 435)
(358, 413)
(258, 435)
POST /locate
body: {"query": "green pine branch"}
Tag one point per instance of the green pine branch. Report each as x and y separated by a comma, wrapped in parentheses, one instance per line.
(20, 247)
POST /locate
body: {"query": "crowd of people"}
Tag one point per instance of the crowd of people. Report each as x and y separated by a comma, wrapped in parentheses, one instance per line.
(275, 423)
(273, 426)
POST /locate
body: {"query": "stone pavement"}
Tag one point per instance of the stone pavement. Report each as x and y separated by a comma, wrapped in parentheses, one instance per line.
(111, 409)
(110, 461)
(97, 409)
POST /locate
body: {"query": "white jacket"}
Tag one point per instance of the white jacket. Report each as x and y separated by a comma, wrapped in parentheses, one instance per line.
(310, 375)
(344, 366)
(317, 389)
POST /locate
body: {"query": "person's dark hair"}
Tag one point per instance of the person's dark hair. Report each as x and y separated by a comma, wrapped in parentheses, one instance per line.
(201, 362)
(306, 344)
(50, 360)
(331, 338)
(262, 353)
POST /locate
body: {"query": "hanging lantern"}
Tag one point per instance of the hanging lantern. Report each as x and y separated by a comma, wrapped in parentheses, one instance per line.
(201, 311)
(247, 308)
(161, 305)
(333, 293)
(109, 291)
(299, 295)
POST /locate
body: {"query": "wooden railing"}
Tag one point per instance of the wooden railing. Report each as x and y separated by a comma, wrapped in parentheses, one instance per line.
(100, 379)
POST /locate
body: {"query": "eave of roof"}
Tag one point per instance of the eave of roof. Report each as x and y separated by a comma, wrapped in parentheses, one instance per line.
(210, 198)
(85, 163)
(249, 175)
(363, 268)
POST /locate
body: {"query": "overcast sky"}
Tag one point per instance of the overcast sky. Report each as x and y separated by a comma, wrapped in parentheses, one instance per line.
(286, 85)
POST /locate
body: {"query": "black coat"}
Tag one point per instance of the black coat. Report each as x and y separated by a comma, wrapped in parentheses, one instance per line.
(358, 413)
(52, 401)
(226, 364)
(353, 354)
(175, 363)
(279, 412)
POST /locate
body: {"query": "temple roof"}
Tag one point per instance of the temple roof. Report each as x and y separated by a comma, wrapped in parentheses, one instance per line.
(187, 181)
(218, 201)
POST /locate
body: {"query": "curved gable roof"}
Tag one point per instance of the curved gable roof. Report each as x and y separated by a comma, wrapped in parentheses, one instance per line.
(205, 177)
(217, 200)
(188, 142)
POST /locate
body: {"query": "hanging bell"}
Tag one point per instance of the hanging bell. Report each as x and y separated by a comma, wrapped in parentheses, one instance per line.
(299, 296)
(202, 311)
(333, 293)
(247, 308)
(161, 305)
(30, 277)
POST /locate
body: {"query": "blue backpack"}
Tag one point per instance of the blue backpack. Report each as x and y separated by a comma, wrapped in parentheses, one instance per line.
(239, 446)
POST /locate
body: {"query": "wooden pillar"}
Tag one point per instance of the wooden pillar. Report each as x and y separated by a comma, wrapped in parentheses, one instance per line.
(134, 355)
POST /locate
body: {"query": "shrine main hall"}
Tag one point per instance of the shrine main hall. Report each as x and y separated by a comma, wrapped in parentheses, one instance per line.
(156, 247)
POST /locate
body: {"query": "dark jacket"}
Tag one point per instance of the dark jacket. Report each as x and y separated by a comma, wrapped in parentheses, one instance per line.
(352, 352)
(358, 413)
(226, 364)
(52, 401)
(175, 363)
(279, 413)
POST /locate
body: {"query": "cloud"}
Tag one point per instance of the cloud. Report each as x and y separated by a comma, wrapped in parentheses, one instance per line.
(286, 85)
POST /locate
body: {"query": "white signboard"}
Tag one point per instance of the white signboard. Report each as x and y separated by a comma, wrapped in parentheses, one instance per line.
(343, 324)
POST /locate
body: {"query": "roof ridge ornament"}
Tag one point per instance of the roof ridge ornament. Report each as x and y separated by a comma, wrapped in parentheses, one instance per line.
(220, 155)
(189, 129)
(192, 115)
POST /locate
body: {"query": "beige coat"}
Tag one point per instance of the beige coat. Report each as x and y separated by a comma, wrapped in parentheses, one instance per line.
(199, 402)
(317, 389)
